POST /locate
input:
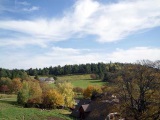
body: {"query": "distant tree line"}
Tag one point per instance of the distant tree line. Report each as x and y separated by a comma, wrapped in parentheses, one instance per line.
(101, 70)
(69, 69)
(98, 68)
(15, 73)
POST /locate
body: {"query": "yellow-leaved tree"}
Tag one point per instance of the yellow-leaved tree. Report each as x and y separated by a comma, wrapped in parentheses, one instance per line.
(66, 89)
(30, 92)
(53, 99)
(35, 92)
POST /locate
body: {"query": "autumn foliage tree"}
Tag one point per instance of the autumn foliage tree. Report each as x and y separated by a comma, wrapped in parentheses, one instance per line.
(5, 84)
(45, 87)
(78, 90)
(31, 92)
(66, 89)
(90, 89)
(23, 94)
(53, 99)
(4, 88)
(35, 92)
(16, 85)
(139, 88)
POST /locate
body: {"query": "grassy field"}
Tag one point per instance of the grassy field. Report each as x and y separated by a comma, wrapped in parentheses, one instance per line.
(78, 80)
(9, 110)
(81, 80)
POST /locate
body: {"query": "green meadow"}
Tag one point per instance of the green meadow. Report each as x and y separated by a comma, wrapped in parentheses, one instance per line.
(10, 110)
(81, 80)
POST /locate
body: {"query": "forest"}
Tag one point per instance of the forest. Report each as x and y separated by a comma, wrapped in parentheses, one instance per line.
(61, 70)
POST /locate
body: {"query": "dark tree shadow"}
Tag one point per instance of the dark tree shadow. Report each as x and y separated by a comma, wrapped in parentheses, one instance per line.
(11, 102)
(97, 81)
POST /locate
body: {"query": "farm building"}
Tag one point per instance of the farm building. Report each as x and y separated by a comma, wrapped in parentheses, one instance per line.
(48, 80)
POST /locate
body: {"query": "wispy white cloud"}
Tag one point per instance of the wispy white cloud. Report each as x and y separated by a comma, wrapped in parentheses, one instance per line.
(133, 54)
(24, 3)
(25, 6)
(17, 7)
(33, 8)
(109, 22)
(23, 41)
(62, 56)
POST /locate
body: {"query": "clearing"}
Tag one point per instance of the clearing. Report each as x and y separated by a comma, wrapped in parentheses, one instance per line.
(81, 80)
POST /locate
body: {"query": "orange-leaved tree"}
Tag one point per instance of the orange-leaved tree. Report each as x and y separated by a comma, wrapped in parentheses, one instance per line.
(90, 89)
(16, 85)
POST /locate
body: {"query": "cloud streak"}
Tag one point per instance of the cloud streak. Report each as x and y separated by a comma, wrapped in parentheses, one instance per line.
(133, 54)
(33, 8)
(24, 3)
(108, 22)
(17, 7)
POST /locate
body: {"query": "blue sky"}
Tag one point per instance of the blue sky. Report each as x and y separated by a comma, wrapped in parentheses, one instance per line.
(43, 33)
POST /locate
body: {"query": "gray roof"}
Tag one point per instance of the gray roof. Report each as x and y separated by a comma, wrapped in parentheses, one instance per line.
(46, 79)
(42, 78)
(75, 112)
(86, 107)
(49, 79)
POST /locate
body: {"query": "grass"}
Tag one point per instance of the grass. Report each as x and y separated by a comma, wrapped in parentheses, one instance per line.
(4, 96)
(81, 80)
(10, 110)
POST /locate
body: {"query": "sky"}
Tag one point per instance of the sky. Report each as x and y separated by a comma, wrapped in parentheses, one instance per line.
(44, 33)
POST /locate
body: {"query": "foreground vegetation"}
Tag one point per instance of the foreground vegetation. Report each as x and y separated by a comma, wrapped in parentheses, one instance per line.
(10, 110)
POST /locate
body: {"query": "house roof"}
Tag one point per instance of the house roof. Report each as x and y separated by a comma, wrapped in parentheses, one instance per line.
(42, 78)
(86, 107)
(75, 112)
(46, 79)
(102, 106)
(100, 110)
(82, 102)
(49, 79)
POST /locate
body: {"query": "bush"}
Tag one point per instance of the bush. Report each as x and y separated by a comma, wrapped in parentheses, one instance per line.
(94, 76)
(78, 90)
